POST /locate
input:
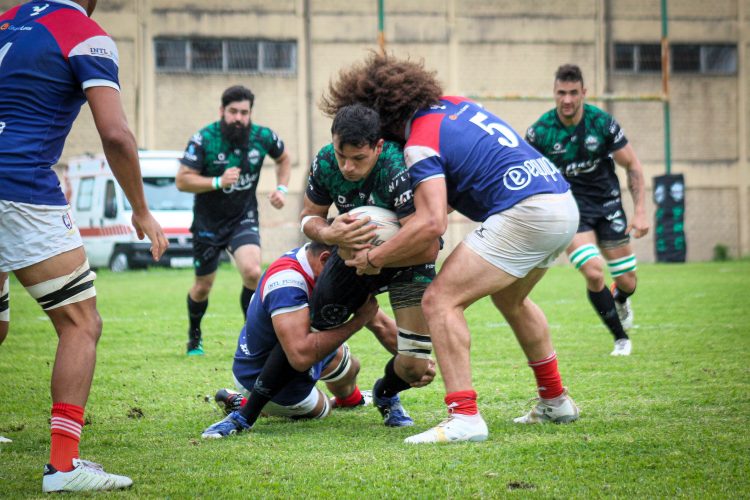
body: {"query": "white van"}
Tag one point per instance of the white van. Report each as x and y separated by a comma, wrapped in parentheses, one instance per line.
(103, 213)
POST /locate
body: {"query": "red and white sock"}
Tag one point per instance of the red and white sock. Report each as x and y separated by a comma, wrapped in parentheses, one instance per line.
(548, 381)
(352, 399)
(65, 429)
(462, 403)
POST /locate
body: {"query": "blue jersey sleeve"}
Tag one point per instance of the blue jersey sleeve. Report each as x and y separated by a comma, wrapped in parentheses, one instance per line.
(284, 291)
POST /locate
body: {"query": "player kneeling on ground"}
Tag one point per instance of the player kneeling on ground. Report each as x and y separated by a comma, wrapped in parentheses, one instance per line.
(278, 329)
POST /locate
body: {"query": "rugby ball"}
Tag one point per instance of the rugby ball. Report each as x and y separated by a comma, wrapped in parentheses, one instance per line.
(385, 222)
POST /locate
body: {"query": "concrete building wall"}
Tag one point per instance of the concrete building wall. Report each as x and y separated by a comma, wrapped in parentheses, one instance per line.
(491, 49)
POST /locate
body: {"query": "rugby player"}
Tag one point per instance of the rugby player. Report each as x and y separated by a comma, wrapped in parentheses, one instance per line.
(585, 143)
(360, 168)
(53, 58)
(278, 325)
(221, 165)
(461, 156)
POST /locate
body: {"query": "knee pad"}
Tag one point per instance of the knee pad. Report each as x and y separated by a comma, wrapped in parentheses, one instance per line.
(57, 292)
(5, 301)
(618, 267)
(342, 369)
(414, 345)
(583, 254)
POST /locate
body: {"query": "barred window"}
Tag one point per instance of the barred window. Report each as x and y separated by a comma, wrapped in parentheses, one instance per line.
(638, 57)
(225, 56)
(713, 59)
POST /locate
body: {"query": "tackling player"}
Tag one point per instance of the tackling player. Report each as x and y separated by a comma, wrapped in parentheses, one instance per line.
(54, 58)
(462, 156)
(278, 324)
(584, 143)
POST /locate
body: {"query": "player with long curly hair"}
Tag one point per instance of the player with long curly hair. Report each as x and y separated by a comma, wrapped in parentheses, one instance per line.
(461, 156)
(394, 88)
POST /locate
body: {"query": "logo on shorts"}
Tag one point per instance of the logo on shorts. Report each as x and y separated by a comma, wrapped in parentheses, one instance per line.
(618, 225)
(334, 314)
(479, 231)
(67, 221)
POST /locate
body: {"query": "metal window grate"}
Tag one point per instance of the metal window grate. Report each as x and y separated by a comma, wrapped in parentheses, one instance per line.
(222, 56)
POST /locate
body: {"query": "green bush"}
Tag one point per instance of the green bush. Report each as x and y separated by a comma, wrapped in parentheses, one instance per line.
(721, 253)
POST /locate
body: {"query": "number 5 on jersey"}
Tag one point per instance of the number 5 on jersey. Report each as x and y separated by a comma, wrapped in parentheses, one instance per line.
(507, 137)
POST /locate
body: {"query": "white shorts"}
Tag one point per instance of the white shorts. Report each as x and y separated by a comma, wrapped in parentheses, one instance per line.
(276, 410)
(528, 235)
(30, 234)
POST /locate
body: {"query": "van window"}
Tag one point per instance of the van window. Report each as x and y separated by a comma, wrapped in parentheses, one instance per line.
(85, 194)
(162, 194)
(110, 201)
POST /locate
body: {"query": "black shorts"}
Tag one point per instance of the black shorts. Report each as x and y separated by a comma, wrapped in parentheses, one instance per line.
(606, 218)
(339, 291)
(206, 253)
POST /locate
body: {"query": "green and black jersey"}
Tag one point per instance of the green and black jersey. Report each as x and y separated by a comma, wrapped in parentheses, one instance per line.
(387, 186)
(582, 152)
(216, 213)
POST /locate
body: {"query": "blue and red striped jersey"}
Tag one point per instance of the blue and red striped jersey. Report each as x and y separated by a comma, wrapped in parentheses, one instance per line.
(50, 52)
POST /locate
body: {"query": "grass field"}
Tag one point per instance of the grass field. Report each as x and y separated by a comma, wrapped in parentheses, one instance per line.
(671, 420)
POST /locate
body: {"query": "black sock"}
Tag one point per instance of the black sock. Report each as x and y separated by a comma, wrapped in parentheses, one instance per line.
(604, 304)
(276, 374)
(196, 310)
(391, 384)
(620, 295)
(245, 297)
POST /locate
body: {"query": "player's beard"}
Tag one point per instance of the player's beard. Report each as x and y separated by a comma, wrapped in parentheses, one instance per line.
(235, 133)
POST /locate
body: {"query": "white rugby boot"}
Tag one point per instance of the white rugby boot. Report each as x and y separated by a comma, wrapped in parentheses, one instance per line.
(455, 428)
(625, 312)
(623, 347)
(560, 410)
(85, 476)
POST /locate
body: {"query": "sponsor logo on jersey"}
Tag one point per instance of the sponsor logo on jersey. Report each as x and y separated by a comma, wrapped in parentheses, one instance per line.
(520, 176)
(197, 138)
(2, 127)
(620, 135)
(253, 156)
(39, 9)
(8, 26)
(245, 182)
(591, 143)
(403, 198)
(581, 167)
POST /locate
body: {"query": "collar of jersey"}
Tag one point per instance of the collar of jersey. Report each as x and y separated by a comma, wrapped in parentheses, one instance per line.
(302, 259)
(70, 3)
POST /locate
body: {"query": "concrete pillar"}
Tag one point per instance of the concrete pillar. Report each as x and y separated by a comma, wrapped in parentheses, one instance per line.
(743, 181)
